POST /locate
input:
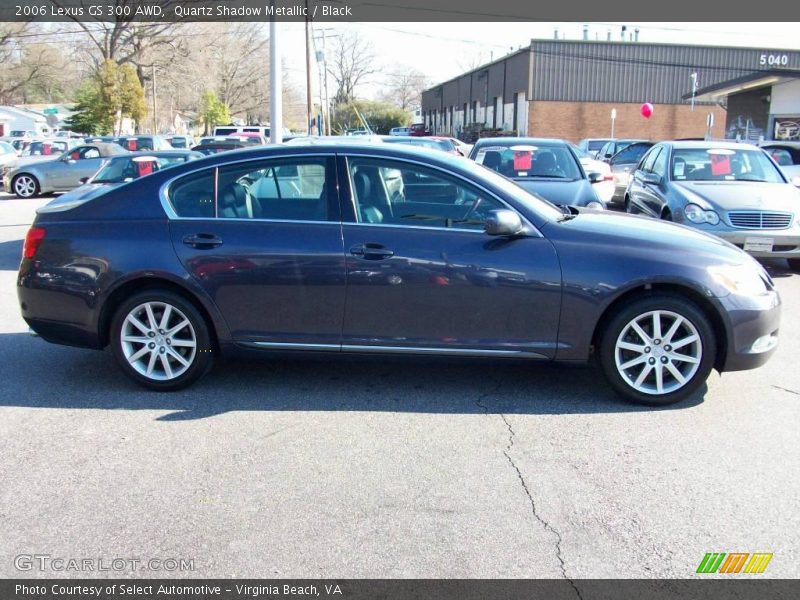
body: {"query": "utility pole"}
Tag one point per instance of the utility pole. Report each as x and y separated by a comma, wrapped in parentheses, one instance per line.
(276, 86)
(309, 105)
(324, 34)
(155, 104)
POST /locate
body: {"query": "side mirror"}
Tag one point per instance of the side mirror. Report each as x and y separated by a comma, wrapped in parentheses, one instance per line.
(595, 177)
(651, 178)
(83, 180)
(503, 222)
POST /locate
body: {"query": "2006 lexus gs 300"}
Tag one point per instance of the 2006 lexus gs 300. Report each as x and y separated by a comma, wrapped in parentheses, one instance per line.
(362, 248)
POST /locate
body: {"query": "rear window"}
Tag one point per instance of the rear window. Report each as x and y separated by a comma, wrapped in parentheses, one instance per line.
(524, 161)
(595, 145)
(226, 130)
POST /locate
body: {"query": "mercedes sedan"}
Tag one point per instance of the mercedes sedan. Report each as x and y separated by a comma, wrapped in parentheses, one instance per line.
(732, 190)
(380, 249)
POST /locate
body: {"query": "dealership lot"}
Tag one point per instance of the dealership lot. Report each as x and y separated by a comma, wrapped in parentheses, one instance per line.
(388, 468)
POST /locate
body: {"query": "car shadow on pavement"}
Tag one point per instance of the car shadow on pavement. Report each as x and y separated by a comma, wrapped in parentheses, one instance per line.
(10, 255)
(41, 375)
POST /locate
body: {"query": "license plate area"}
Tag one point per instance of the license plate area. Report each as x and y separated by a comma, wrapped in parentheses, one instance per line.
(758, 244)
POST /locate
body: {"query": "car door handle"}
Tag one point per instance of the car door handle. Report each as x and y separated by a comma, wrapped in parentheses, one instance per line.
(202, 240)
(371, 251)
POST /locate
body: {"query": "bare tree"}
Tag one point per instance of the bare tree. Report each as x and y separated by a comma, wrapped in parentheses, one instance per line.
(350, 64)
(404, 89)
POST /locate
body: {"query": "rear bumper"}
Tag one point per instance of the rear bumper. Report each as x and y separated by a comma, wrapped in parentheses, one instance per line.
(753, 325)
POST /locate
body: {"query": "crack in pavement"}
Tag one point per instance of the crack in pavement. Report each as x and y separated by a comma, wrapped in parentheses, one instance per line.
(783, 389)
(545, 524)
(506, 453)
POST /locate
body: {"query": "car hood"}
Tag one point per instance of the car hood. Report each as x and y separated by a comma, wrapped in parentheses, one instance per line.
(668, 241)
(24, 161)
(564, 192)
(741, 195)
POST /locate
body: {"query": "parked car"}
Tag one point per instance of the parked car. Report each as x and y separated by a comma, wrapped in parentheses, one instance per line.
(611, 147)
(138, 143)
(214, 147)
(271, 250)
(48, 147)
(251, 137)
(94, 139)
(418, 129)
(122, 169)
(547, 167)
(731, 190)
(622, 164)
(60, 174)
(605, 188)
(399, 131)
(7, 155)
(787, 155)
(443, 144)
(592, 145)
(180, 141)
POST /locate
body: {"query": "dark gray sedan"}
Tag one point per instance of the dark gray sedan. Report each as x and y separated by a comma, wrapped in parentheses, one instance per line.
(547, 167)
(348, 248)
(734, 191)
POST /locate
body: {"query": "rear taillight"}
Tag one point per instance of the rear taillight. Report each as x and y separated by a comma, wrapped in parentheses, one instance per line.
(608, 177)
(32, 242)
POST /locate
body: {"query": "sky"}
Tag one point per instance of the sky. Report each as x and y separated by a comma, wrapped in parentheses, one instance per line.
(457, 46)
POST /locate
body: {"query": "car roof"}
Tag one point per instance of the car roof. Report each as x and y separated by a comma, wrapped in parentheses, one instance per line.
(711, 144)
(507, 141)
(787, 143)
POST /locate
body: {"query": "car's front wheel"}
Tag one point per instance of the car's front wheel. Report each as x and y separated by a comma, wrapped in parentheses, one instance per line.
(794, 264)
(657, 349)
(161, 341)
(25, 186)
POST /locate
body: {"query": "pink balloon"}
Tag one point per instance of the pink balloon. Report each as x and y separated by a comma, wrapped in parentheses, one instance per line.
(647, 110)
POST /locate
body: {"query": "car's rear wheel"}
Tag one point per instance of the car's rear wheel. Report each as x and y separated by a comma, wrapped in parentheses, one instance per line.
(658, 349)
(794, 264)
(25, 186)
(161, 341)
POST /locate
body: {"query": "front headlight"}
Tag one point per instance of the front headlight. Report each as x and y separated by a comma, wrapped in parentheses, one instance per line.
(595, 205)
(698, 215)
(744, 279)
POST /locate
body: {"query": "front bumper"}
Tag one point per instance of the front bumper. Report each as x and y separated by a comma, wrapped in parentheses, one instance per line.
(785, 242)
(752, 323)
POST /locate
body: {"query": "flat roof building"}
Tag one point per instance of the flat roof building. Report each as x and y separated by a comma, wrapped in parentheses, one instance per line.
(569, 89)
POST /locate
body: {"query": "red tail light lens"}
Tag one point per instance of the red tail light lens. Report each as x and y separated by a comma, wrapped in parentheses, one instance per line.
(608, 177)
(32, 242)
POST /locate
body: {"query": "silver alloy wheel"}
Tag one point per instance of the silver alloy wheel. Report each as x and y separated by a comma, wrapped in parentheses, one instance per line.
(158, 341)
(658, 352)
(25, 186)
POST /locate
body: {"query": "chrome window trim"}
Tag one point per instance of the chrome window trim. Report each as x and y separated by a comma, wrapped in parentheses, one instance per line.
(491, 194)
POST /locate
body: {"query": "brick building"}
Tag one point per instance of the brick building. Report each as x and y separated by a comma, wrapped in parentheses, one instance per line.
(568, 89)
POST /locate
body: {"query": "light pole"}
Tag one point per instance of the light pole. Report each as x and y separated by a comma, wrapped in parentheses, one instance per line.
(275, 99)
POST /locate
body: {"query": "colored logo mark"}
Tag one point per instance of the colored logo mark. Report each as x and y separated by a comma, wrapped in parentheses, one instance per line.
(735, 562)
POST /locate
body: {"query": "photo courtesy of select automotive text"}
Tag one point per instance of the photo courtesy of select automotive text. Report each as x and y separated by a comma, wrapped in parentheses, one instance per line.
(399, 300)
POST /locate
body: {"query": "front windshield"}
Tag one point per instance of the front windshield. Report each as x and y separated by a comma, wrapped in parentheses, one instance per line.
(524, 161)
(723, 164)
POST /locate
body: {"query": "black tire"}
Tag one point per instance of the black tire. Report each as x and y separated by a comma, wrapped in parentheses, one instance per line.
(199, 362)
(35, 188)
(794, 264)
(643, 305)
(627, 204)
(666, 215)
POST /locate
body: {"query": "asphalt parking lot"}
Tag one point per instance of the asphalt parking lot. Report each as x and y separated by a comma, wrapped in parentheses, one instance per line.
(388, 469)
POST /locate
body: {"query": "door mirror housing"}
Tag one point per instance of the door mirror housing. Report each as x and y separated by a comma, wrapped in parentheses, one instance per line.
(595, 177)
(503, 222)
(651, 178)
(83, 180)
